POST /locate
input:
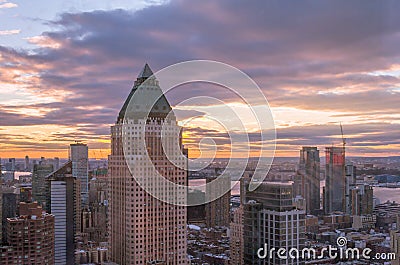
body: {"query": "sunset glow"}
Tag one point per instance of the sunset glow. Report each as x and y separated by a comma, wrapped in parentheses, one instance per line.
(67, 78)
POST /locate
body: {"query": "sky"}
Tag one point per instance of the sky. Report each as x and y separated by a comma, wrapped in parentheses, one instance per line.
(66, 68)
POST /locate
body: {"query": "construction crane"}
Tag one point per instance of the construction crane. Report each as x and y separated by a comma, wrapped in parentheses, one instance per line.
(343, 139)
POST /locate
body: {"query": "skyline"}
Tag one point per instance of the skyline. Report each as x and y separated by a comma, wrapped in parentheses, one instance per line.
(316, 67)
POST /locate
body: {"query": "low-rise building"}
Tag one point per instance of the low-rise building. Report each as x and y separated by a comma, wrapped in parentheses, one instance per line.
(29, 237)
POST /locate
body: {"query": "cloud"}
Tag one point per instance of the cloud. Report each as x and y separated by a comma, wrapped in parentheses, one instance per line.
(7, 5)
(43, 41)
(9, 32)
(305, 56)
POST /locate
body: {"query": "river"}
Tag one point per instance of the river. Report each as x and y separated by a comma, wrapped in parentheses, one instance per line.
(382, 193)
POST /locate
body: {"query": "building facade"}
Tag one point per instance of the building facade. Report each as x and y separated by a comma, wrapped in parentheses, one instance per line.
(218, 210)
(78, 155)
(30, 237)
(39, 174)
(63, 201)
(236, 239)
(395, 246)
(350, 184)
(307, 180)
(142, 228)
(271, 221)
(361, 199)
(335, 182)
(9, 209)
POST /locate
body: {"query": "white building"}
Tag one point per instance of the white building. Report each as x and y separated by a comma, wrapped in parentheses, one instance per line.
(271, 222)
(63, 201)
(78, 154)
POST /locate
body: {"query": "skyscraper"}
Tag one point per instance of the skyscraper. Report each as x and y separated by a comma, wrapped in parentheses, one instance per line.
(350, 182)
(63, 201)
(143, 229)
(56, 163)
(27, 166)
(39, 174)
(78, 154)
(361, 199)
(8, 208)
(218, 211)
(30, 237)
(335, 182)
(307, 182)
(269, 217)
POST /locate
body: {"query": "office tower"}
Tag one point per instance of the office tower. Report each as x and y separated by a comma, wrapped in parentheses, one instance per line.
(196, 213)
(270, 218)
(63, 201)
(143, 229)
(350, 182)
(335, 182)
(39, 174)
(9, 209)
(78, 154)
(307, 182)
(236, 238)
(10, 166)
(218, 210)
(361, 199)
(27, 167)
(30, 237)
(56, 163)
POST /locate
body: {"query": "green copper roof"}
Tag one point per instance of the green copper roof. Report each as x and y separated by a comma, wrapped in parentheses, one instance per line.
(144, 93)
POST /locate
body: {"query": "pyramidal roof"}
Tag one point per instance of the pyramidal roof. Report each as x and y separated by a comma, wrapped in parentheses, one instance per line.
(146, 72)
(65, 169)
(144, 97)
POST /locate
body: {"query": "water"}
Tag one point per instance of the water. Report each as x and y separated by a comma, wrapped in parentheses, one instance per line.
(382, 193)
(387, 194)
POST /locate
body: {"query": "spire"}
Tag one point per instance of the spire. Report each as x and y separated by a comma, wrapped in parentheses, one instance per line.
(146, 72)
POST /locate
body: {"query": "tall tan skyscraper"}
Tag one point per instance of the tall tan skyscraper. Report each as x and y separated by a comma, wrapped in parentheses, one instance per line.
(144, 230)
